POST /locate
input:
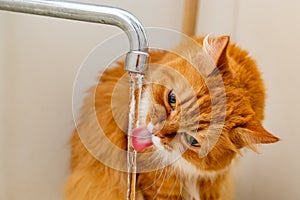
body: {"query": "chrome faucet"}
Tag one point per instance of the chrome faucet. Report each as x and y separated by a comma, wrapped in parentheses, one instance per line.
(137, 56)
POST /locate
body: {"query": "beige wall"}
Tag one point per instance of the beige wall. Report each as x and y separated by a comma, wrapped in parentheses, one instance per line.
(270, 30)
(2, 106)
(39, 64)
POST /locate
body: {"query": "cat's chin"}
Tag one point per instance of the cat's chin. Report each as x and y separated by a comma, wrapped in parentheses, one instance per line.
(157, 143)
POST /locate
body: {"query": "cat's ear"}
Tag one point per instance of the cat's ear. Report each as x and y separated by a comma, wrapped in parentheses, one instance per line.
(216, 49)
(252, 133)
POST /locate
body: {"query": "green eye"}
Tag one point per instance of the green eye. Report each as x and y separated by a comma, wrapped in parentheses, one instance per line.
(191, 140)
(172, 100)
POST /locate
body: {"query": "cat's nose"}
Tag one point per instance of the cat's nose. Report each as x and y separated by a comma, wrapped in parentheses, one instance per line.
(158, 134)
(162, 134)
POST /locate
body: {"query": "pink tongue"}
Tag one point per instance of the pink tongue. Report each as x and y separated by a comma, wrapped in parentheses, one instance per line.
(141, 138)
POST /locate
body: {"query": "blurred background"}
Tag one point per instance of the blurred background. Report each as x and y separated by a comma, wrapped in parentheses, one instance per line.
(39, 58)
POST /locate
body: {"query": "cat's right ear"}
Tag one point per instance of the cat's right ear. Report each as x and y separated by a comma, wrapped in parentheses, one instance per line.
(216, 49)
(251, 134)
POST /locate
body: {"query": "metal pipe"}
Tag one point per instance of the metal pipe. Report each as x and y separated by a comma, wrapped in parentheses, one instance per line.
(138, 53)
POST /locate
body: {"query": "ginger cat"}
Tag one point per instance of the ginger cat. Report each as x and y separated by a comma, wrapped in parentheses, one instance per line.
(198, 110)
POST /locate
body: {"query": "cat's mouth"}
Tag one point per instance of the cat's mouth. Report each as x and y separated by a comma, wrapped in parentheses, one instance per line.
(144, 137)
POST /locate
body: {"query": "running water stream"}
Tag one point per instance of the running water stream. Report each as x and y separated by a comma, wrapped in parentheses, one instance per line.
(136, 81)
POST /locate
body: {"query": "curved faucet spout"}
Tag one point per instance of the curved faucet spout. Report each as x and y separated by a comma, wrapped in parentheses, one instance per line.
(138, 53)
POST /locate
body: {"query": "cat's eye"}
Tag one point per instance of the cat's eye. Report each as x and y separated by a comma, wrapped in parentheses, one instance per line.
(172, 100)
(191, 140)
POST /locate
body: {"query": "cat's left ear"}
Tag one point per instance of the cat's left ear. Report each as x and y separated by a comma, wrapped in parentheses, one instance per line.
(216, 49)
(252, 133)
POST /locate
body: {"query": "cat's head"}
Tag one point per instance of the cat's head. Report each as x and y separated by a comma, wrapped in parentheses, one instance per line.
(194, 105)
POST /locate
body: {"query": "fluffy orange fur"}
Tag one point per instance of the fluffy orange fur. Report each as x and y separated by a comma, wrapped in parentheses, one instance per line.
(91, 179)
